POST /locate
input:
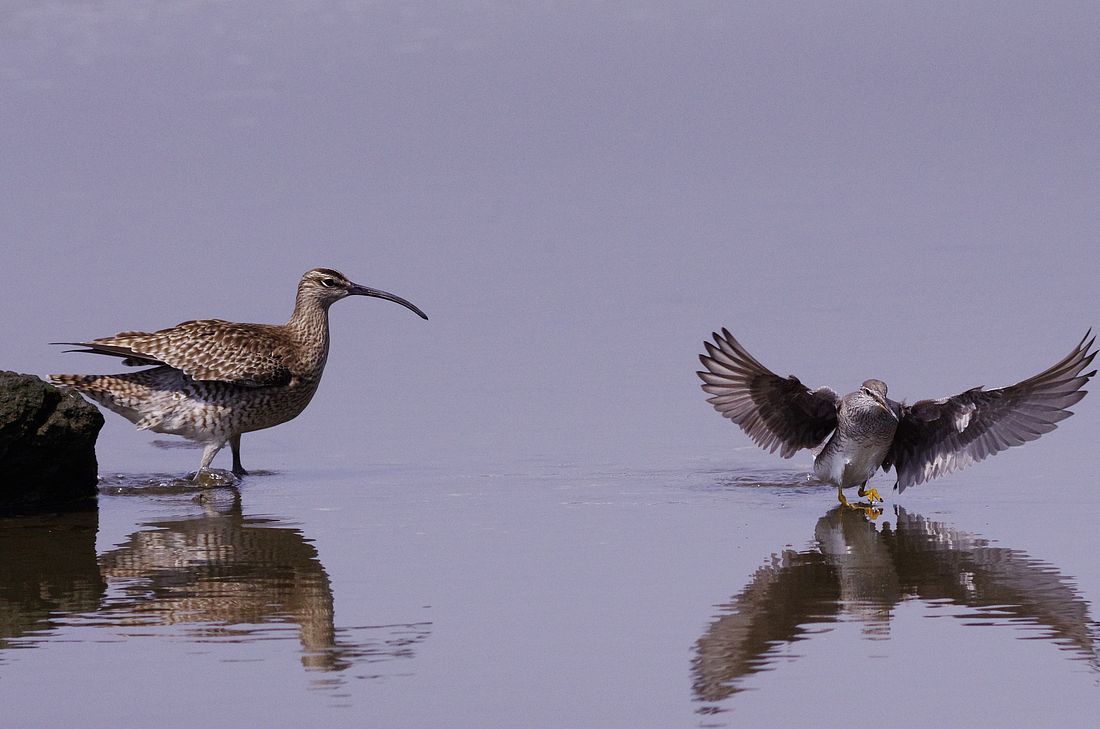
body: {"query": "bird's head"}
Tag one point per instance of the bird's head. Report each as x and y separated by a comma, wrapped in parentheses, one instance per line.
(327, 286)
(875, 389)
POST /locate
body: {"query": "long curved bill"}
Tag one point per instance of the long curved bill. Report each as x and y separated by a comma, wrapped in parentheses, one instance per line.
(366, 291)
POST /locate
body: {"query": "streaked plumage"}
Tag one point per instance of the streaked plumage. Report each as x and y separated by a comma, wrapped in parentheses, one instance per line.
(212, 380)
(920, 441)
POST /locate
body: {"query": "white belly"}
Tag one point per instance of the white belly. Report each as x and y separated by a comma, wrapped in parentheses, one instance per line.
(848, 462)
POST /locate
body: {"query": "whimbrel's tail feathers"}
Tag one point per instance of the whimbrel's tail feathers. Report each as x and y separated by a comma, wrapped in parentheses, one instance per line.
(130, 357)
(74, 381)
(126, 394)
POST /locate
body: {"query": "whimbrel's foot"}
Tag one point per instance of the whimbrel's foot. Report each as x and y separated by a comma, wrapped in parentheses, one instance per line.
(209, 478)
(239, 471)
(870, 494)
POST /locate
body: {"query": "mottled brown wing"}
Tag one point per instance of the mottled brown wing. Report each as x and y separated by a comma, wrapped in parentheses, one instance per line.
(935, 437)
(776, 412)
(208, 349)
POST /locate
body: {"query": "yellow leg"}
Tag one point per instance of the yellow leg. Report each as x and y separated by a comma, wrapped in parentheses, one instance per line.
(840, 496)
(869, 510)
(871, 494)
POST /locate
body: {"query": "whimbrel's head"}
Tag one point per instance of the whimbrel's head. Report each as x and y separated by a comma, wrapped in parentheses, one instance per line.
(327, 286)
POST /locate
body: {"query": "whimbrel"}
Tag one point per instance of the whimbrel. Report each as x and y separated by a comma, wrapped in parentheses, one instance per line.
(213, 380)
(920, 441)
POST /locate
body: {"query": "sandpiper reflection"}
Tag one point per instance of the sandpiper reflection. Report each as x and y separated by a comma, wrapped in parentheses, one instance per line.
(859, 571)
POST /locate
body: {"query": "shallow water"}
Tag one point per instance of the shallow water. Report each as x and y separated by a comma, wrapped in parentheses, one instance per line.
(411, 597)
(523, 512)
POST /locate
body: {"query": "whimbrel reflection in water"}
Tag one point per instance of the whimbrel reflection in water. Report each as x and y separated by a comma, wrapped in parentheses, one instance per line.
(216, 577)
(860, 571)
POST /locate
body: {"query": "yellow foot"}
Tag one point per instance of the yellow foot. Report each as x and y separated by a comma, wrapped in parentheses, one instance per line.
(869, 509)
(870, 494)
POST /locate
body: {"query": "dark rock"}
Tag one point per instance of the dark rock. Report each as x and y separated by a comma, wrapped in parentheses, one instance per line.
(47, 445)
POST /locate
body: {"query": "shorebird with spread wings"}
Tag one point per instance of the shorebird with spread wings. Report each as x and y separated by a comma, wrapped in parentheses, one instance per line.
(869, 430)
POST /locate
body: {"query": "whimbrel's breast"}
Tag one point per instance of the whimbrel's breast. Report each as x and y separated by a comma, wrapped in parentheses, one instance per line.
(272, 406)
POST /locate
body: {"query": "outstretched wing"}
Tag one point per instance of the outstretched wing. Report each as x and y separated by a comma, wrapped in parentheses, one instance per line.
(935, 437)
(776, 412)
(253, 355)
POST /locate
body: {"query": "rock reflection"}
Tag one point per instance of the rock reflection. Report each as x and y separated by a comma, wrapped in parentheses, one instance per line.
(861, 572)
(217, 577)
(47, 567)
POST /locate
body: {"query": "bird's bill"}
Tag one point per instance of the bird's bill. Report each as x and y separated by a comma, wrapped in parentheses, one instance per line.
(886, 406)
(878, 400)
(366, 291)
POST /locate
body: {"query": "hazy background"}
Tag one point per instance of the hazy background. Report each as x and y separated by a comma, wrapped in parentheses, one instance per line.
(577, 194)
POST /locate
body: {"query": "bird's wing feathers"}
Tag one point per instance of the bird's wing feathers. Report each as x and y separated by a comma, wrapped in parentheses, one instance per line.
(935, 437)
(206, 349)
(776, 412)
(130, 357)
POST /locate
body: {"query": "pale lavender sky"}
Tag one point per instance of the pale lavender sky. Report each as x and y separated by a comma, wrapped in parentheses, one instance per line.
(577, 193)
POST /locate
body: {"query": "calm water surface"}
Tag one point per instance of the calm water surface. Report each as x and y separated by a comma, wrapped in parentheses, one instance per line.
(522, 513)
(551, 597)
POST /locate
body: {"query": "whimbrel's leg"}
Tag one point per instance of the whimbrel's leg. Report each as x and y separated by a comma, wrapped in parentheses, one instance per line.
(235, 444)
(840, 496)
(871, 494)
(208, 452)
